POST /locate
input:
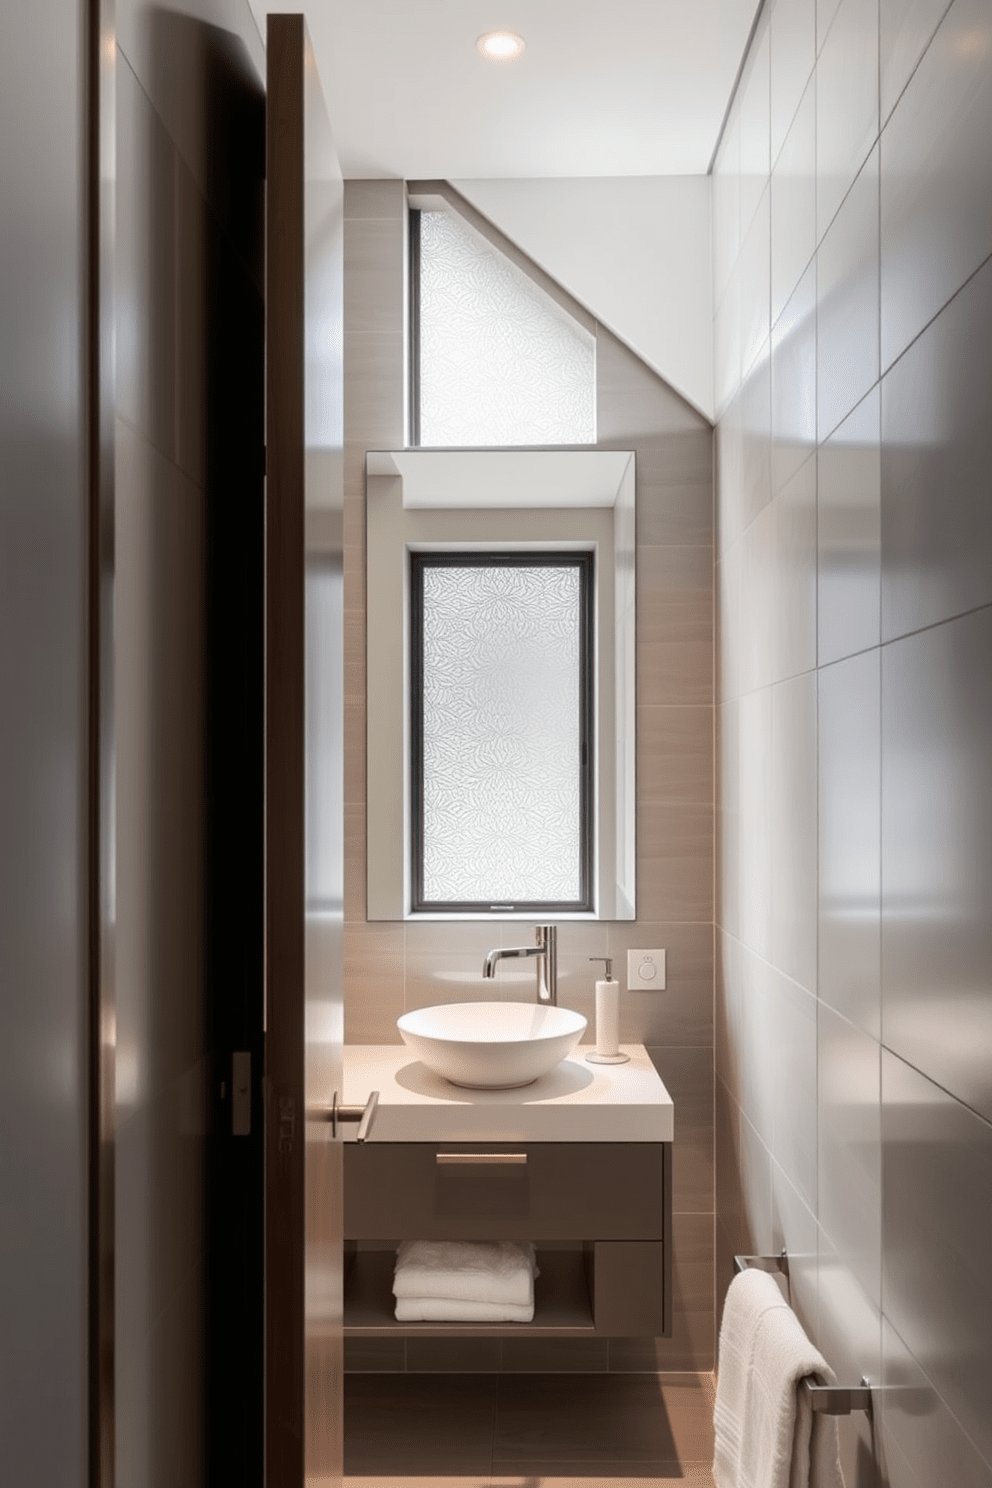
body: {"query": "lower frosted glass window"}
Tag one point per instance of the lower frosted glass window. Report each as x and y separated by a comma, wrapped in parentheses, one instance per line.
(501, 683)
(496, 360)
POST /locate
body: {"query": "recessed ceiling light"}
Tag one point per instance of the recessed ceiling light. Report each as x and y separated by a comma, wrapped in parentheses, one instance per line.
(501, 46)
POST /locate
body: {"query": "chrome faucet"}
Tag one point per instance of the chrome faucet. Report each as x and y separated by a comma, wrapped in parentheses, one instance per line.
(546, 951)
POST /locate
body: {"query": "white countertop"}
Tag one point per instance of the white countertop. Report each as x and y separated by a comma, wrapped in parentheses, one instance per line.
(577, 1102)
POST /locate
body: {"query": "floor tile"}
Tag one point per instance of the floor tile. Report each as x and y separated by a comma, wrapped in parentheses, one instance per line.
(593, 1419)
(608, 1475)
(435, 1424)
(529, 1431)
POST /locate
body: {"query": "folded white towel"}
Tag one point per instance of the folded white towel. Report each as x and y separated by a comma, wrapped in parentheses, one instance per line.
(450, 1310)
(765, 1432)
(499, 1271)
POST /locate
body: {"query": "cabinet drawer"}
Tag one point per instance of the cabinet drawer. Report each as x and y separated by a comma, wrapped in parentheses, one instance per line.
(491, 1191)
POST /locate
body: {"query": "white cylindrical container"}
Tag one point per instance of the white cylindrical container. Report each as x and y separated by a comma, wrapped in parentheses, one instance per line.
(607, 1019)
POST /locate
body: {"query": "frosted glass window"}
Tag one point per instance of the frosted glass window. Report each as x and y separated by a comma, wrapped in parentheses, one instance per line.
(502, 709)
(500, 363)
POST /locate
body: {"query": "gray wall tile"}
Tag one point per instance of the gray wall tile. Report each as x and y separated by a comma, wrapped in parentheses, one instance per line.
(794, 382)
(937, 854)
(849, 839)
(936, 177)
(849, 535)
(905, 29)
(846, 104)
(879, 1198)
(849, 1202)
(847, 303)
(937, 1236)
(937, 467)
(793, 240)
(922, 1441)
(793, 49)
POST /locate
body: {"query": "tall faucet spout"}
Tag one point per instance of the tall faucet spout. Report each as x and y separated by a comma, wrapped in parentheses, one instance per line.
(545, 949)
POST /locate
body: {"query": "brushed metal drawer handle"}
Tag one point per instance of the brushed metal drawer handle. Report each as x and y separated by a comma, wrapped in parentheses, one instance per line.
(453, 1159)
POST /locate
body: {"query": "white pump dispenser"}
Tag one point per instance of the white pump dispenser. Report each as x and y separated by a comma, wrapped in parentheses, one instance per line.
(607, 1019)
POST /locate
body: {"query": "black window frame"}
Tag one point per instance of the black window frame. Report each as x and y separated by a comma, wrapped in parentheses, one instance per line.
(585, 562)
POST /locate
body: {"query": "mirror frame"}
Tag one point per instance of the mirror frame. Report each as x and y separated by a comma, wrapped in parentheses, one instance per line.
(526, 499)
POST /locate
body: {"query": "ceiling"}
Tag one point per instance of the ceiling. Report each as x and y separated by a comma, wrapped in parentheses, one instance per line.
(604, 88)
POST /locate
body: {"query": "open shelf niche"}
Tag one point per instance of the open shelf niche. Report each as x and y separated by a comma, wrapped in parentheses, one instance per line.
(562, 1301)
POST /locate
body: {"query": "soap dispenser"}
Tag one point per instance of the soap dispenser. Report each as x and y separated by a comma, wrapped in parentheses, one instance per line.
(607, 1019)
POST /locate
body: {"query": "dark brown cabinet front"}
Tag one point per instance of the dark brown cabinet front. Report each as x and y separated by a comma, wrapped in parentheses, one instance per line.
(551, 1190)
(614, 1198)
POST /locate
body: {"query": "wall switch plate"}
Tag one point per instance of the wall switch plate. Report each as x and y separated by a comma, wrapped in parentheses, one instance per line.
(645, 971)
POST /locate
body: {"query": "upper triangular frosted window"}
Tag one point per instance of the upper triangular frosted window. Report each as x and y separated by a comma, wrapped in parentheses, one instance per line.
(500, 363)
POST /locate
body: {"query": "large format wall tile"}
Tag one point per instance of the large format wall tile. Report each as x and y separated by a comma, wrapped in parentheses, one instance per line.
(937, 854)
(936, 177)
(793, 240)
(755, 437)
(905, 28)
(754, 303)
(937, 468)
(793, 1083)
(922, 1442)
(793, 577)
(848, 534)
(849, 1203)
(847, 303)
(794, 1230)
(727, 204)
(794, 856)
(793, 50)
(937, 1237)
(849, 1329)
(849, 841)
(756, 798)
(794, 382)
(846, 104)
(729, 879)
(755, 163)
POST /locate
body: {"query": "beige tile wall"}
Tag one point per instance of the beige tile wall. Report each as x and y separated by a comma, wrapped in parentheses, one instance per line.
(390, 968)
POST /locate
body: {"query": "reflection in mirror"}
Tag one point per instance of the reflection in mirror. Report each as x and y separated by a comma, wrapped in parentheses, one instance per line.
(509, 503)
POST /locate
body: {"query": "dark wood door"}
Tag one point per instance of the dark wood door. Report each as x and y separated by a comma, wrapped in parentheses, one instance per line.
(303, 769)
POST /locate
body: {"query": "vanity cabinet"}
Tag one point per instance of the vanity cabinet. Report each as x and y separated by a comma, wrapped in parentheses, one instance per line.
(599, 1214)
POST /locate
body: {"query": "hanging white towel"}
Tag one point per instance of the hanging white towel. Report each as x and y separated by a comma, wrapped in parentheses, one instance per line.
(498, 1272)
(766, 1434)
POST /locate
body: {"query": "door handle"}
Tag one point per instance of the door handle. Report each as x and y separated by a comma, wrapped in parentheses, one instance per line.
(336, 1112)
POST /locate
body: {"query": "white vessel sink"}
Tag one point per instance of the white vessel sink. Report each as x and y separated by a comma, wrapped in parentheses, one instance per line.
(491, 1045)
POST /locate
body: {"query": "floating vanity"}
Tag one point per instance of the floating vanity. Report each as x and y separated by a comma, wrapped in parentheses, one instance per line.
(579, 1162)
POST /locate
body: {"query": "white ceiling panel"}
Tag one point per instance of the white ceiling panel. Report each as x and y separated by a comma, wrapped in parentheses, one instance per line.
(629, 88)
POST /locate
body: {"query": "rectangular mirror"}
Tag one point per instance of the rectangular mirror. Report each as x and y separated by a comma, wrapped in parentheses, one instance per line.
(540, 516)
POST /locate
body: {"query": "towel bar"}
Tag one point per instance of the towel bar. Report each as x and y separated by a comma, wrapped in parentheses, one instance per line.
(831, 1400)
